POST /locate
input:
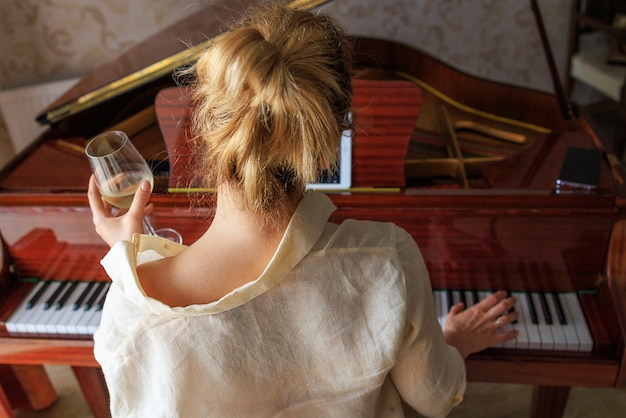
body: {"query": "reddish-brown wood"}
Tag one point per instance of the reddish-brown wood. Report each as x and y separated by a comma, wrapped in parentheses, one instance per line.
(6, 409)
(550, 400)
(25, 387)
(31, 388)
(91, 381)
(46, 351)
(509, 101)
(616, 274)
(385, 112)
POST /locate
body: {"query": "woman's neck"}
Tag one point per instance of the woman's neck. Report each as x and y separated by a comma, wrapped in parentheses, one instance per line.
(231, 214)
(233, 251)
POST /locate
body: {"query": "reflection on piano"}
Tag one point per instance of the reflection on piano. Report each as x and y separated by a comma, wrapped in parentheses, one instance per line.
(478, 196)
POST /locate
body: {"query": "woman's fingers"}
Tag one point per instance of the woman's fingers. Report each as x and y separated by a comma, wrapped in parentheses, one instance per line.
(98, 207)
(123, 224)
(482, 325)
(496, 305)
(505, 319)
(140, 200)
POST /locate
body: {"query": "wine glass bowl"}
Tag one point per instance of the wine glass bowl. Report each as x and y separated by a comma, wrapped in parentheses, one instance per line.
(119, 169)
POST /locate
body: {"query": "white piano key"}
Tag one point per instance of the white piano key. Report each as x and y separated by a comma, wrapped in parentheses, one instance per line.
(63, 326)
(532, 330)
(37, 311)
(83, 325)
(456, 298)
(484, 294)
(74, 322)
(56, 312)
(572, 305)
(469, 299)
(547, 341)
(46, 311)
(558, 333)
(94, 323)
(13, 323)
(30, 307)
(569, 329)
(508, 343)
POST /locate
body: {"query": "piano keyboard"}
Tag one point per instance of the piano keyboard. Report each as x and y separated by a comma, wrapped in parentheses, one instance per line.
(547, 321)
(59, 309)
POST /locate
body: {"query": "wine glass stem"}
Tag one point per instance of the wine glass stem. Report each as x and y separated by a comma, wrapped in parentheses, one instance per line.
(147, 226)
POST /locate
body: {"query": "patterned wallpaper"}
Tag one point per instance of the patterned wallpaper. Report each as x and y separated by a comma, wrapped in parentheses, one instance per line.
(494, 39)
(45, 40)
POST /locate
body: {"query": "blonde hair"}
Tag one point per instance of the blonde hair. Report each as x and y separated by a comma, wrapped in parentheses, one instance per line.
(271, 98)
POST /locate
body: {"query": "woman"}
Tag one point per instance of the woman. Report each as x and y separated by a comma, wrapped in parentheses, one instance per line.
(275, 311)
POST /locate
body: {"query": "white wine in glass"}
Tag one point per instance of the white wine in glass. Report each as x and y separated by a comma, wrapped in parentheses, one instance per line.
(119, 191)
(119, 169)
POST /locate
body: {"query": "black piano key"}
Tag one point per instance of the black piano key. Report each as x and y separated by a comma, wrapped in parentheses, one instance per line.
(545, 308)
(450, 298)
(508, 295)
(462, 297)
(532, 309)
(94, 296)
(53, 297)
(83, 296)
(100, 303)
(559, 308)
(32, 301)
(512, 308)
(61, 303)
(475, 297)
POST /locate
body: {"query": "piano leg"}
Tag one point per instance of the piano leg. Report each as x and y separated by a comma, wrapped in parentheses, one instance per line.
(91, 381)
(5, 406)
(549, 401)
(24, 387)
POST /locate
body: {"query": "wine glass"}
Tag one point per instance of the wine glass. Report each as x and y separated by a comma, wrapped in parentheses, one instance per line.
(119, 169)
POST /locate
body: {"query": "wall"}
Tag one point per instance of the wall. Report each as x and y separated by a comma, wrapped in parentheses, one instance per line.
(497, 39)
(43, 41)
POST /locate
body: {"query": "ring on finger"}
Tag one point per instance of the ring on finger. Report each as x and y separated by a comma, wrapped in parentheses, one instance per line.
(498, 321)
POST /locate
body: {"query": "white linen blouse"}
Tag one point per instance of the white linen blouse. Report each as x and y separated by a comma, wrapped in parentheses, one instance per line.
(340, 324)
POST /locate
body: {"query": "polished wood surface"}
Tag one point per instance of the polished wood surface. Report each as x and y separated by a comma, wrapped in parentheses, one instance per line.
(26, 387)
(487, 215)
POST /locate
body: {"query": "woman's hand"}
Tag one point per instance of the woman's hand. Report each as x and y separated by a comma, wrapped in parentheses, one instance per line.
(481, 326)
(114, 227)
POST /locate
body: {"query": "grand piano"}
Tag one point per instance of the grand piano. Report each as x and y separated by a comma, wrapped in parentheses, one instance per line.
(466, 165)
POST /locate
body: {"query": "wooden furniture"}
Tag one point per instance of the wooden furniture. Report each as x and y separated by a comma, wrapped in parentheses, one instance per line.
(479, 198)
